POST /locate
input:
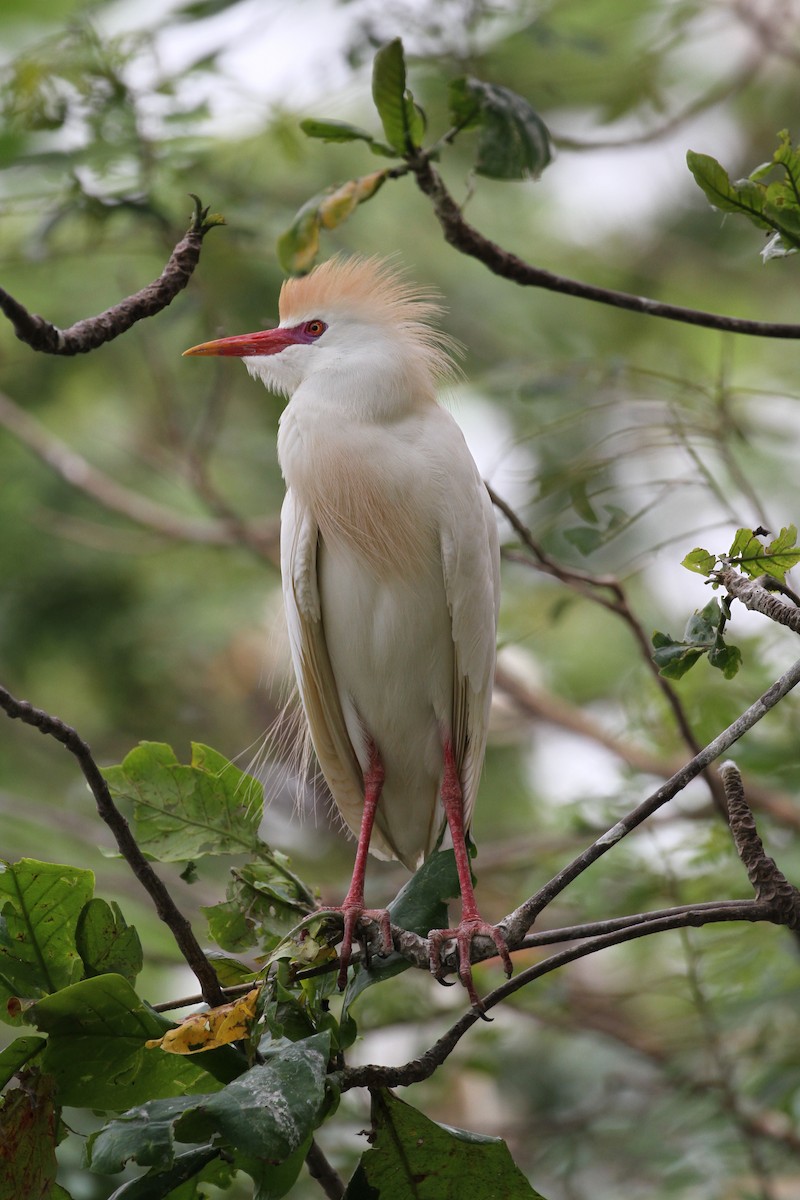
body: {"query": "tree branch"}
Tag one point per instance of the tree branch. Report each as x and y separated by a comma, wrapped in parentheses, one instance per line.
(92, 332)
(423, 1067)
(465, 238)
(769, 883)
(165, 906)
(754, 595)
(592, 588)
(320, 1169)
(517, 924)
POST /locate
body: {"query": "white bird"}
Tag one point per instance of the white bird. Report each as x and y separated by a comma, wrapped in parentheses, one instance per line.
(390, 564)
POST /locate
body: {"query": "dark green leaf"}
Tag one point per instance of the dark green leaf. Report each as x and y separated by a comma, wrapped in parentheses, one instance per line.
(267, 1113)
(106, 943)
(672, 658)
(514, 142)
(185, 812)
(725, 658)
(403, 122)
(159, 1184)
(40, 904)
(413, 1156)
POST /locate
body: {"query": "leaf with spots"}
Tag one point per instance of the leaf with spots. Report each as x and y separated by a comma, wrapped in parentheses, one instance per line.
(28, 1139)
(185, 811)
(40, 904)
(265, 1115)
(97, 1030)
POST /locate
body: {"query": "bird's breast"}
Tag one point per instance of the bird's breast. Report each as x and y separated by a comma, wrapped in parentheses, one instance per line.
(370, 497)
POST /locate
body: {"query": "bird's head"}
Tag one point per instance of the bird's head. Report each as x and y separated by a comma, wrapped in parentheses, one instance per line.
(358, 322)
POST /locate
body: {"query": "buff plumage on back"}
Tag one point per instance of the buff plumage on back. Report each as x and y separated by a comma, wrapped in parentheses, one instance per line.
(373, 290)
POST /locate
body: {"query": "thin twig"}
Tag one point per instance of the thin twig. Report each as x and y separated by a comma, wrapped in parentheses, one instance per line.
(92, 332)
(592, 587)
(165, 906)
(517, 924)
(465, 238)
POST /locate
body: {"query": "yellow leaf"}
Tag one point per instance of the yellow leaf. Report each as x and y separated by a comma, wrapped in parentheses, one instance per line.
(209, 1029)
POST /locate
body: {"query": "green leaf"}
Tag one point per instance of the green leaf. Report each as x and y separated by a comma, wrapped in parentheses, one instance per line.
(700, 560)
(672, 658)
(267, 1113)
(703, 635)
(514, 142)
(342, 131)
(28, 1138)
(420, 905)
(185, 812)
(299, 245)
(745, 197)
(96, 1048)
(14, 1057)
(262, 906)
(727, 659)
(106, 943)
(749, 553)
(40, 904)
(413, 1156)
(403, 122)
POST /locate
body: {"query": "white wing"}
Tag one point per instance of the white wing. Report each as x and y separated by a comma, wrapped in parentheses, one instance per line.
(312, 668)
(471, 563)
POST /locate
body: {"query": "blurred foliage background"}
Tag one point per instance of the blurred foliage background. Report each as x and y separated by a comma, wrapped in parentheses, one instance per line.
(669, 1067)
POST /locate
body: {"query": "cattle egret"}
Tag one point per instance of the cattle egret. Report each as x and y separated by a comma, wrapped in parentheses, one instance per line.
(390, 563)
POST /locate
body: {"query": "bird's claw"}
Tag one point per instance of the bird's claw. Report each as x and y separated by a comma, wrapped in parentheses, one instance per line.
(353, 915)
(463, 935)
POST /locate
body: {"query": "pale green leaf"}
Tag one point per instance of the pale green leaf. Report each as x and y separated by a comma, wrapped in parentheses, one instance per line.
(182, 811)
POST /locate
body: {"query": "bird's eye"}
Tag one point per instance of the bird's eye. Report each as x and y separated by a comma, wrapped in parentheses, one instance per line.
(315, 328)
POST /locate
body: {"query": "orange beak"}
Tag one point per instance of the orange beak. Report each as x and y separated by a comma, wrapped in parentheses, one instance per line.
(248, 345)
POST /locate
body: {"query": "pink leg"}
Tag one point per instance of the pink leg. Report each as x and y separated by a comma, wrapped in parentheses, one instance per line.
(352, 909)
(471, 924)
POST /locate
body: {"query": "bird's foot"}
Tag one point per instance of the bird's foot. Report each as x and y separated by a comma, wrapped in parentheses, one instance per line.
(353, 916)
(464, 933)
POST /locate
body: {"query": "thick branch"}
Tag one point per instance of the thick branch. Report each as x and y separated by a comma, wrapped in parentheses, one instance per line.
(464, 237)
(769, 883)
(165, 906)
(92, 332)
(754, 595)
